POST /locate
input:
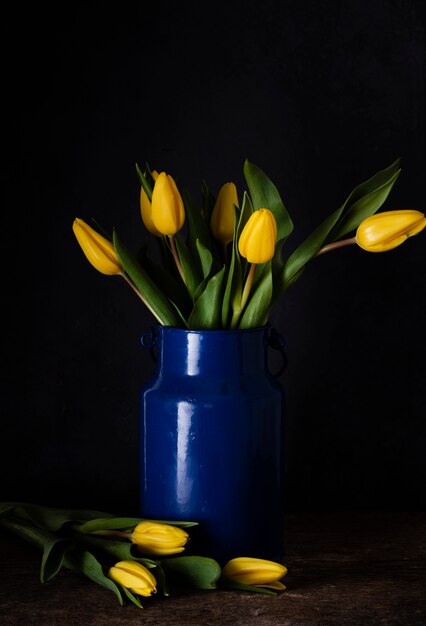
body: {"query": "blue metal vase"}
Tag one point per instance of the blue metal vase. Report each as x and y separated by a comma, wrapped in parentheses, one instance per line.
(211, 440)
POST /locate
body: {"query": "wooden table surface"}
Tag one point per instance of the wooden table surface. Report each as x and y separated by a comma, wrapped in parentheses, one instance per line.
(356, 569)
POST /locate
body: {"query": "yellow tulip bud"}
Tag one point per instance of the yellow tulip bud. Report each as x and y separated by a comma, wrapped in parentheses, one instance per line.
(167, 210)
(146, 210)
(257, 572)
(98, 250)
(133, 576)
(155, 538)
(223, 215)
(257, 240)
(383, 231)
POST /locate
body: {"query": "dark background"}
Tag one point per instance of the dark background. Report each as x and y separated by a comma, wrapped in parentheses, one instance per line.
(320, 95)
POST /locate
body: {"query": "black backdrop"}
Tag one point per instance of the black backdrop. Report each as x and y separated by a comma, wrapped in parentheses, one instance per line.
(320, 95)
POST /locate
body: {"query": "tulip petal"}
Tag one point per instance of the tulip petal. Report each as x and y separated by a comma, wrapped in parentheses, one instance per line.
(98, 250)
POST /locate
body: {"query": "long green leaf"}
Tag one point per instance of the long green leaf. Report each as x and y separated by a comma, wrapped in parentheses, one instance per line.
(208, 201)
(264, 194)
(198, 229)
(82, 561)
(53, 557)
(206, 313)
(256, 312)
(237, 268)
(191, 267)
(167, 279)
(227, 583)
(53, 547)
(145, 183)
(152, 295)
(234, 279)
(206, 258)
(46, 517)
(195, 571)
(364, 200)
(126, 523)
(376, 192)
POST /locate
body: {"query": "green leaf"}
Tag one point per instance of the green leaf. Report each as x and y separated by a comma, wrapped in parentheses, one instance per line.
(363, 201)
(131, 596)
(153, 297)
(49, 518)
(227, 583)
(191, 268)
(126, 523)
(197, 227)
(145, 183)
(264, 194)
(234, 282)
(168, 280)
(53, 557)
(208, 202)
(256, 311)
(53, 547)
(206, 258)
(82, 561)
(206, 313)
(195, 571)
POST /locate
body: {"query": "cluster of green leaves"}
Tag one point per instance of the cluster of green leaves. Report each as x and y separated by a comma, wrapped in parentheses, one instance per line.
(73, 539)
(214, 281)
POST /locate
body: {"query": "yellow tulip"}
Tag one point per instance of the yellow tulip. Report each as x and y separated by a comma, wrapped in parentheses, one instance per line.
(383, 231)
(146, 210)
(257, 240)
(133, 576)
(223, 215)
(257, 572)
(167, 209)
(98, 250)
(155, 538)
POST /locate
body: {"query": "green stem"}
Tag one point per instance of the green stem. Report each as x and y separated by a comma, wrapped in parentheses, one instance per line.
(248, 285)
(246, 292)
(176, 257)
(140, 296)
(336, 244)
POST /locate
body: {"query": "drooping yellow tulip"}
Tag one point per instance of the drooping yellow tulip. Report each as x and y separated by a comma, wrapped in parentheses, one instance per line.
(146, 210)
(257, 572)
(134, 576)
(387, 230)
(159, 539)
(98, 250)
(257, 240)
(167, 208)
(223, 215)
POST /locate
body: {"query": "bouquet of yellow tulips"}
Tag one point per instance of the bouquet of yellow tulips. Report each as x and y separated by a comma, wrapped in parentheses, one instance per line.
(132, 557)
(220, 263)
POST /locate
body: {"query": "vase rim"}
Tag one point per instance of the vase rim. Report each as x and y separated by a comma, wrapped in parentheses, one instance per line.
(223, 331)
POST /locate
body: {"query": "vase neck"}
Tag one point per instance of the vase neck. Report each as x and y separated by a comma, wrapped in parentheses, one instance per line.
(211, 353)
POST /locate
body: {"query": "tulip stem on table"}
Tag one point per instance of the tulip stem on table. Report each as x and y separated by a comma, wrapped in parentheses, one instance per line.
(336, 244)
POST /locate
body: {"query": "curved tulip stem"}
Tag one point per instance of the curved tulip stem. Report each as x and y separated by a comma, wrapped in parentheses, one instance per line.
(336, 244)
(138, 293)
(176, 257)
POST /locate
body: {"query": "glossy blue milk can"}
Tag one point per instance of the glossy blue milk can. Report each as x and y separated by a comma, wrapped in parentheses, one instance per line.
(212, 440)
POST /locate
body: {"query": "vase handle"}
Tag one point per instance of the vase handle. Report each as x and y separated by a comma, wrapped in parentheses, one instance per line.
(148, 341)
(277, 342)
